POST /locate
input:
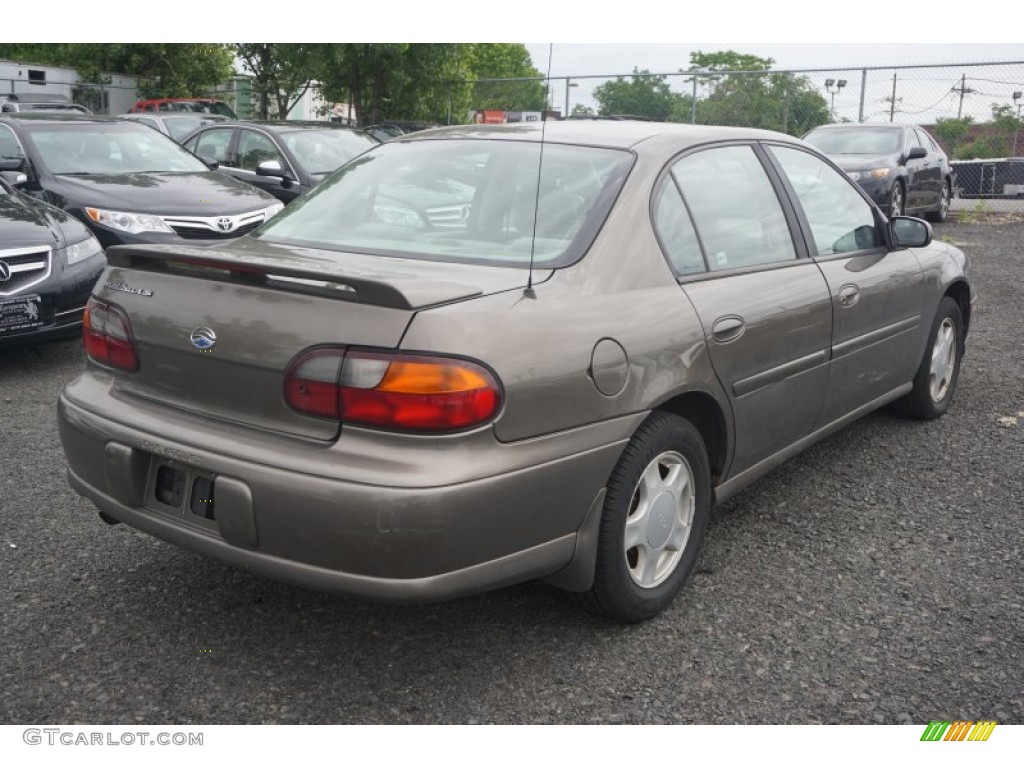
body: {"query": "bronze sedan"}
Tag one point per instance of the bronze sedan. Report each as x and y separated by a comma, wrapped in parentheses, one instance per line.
(480, 355)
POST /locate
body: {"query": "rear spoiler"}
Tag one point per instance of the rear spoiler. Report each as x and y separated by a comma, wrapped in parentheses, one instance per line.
(361, 278)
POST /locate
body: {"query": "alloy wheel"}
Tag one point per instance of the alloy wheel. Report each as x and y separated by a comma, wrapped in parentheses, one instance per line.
(943, 360)
(660, 519)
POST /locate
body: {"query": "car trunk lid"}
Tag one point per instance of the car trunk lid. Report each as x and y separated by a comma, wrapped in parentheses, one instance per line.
(260, 309)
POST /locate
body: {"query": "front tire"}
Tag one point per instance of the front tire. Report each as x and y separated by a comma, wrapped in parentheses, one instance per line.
(937, 376)
(897, 200)
(655, 514)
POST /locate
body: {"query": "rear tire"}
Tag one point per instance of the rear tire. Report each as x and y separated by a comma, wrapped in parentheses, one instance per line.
(937, 376)
(940, 215)
(655, 513)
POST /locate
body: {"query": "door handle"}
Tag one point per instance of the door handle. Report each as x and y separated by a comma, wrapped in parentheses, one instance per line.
(849, 295)
(728, 328)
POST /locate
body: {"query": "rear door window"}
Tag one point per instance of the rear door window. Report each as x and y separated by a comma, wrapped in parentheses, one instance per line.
(675, 231)
(215, 144)
(735, 209)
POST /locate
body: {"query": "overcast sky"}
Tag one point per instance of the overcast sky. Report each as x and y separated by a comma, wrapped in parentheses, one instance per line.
(923, 94)
(578, 59)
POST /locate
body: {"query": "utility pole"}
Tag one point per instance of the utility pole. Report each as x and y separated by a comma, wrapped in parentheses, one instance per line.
(892, 106)
(1017, 101)
(863, 87)
(693, 101)
(963, 89)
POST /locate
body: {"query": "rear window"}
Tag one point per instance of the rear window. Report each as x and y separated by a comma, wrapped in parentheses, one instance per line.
(471, 201)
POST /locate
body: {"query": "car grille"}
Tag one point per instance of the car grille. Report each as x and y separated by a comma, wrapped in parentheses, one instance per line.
(23, 268)
(215, 227)
(203, 233)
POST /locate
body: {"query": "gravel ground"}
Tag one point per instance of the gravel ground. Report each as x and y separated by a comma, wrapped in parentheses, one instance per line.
(874, 579)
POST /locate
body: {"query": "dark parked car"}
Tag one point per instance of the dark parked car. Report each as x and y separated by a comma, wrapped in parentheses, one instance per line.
(285, 158)
(173, 124)
(49, 262)
(128, 183)
(561, 384)
(396, 128)
(901, 167)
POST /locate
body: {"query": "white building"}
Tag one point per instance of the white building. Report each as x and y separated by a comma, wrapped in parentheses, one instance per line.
(24, 78)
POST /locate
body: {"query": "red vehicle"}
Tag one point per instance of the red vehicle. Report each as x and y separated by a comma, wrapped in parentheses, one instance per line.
(198, 104)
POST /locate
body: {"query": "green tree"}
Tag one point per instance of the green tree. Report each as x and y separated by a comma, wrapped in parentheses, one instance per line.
(742, 90)
(397, 81)
(995, 138)
(282, 73)
(495, 67)
(951, 131)
(641, 94)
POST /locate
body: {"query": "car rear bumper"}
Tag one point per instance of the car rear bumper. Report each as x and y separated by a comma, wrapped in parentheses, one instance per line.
(391, 542)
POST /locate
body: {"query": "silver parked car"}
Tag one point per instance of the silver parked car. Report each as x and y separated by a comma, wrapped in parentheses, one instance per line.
(481, 355)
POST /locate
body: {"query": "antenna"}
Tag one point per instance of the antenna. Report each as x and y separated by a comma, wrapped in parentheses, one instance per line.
(529, 292)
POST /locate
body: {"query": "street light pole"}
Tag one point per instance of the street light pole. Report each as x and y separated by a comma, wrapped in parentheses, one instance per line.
(834, 87)
(568, 84)
(1016, 134)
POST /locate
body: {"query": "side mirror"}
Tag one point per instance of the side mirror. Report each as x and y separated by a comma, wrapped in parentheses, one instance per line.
(212, 164)
(11, 164)
(908, 232)
(916, 153)
(14, 178)
(271, 168)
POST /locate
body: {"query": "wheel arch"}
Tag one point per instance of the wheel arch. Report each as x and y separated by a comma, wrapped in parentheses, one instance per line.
(960, 292)
(704, 412)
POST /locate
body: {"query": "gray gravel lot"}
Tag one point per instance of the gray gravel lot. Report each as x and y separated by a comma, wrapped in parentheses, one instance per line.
(875, 579)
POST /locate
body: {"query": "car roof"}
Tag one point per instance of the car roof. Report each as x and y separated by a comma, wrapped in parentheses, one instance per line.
(280, 126)
(849, 126)
(59, 117)
(619, 134)
(176, 98)
(136, 116)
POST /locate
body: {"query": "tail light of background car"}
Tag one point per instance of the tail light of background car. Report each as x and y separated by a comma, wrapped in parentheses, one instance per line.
(392, 390)
(107, 335)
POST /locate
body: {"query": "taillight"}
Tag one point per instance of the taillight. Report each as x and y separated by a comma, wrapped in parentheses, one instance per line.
(393, 390)
(107, 335)
(311, 385)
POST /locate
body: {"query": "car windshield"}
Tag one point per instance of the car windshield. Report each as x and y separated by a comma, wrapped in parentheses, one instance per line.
(109, 148)
(856, 141)
(180, 126)
(470, 201)
(326, 150)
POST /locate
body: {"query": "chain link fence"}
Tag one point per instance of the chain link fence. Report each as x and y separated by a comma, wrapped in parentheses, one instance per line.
(973, 110)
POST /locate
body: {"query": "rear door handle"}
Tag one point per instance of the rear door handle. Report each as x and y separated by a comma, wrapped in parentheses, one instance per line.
(728, 328)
